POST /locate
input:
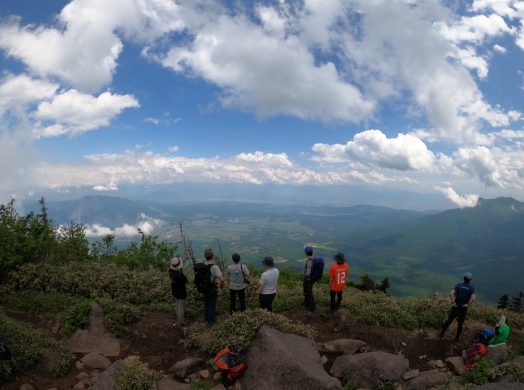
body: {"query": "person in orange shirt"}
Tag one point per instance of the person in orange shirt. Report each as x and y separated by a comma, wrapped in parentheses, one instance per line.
(338, 274)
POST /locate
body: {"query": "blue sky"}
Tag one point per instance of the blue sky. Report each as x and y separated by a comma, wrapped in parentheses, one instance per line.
(419, 95)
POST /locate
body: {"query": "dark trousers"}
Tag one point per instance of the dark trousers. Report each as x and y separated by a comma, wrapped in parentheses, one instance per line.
(334, 294)
(266, 301)
(210, 307)
(233, 300)
(309, 299)
(460, 314)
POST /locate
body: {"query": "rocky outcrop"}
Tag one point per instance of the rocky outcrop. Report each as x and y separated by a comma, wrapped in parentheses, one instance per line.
(106, 380)
(498, 354)
(456, 364)
(96, 338)
(428, 379)
(96, 361)
(501, 386)
(369, 369)
(280, 361)
(186, 367)
(344, 346)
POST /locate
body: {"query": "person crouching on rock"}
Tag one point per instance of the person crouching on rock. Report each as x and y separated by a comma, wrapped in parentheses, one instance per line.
(338, 274)
(462, 296)
(178, 288)
(267, 286)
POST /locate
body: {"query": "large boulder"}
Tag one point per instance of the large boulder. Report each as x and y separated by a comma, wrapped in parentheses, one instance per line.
(279, 361)
(369, 369)
(107, 379)
(96, 338)
(428, 379)
(501, 386)
(456, 364)
(344, 346)
(186, 367)
(96, 361)
(498, 354)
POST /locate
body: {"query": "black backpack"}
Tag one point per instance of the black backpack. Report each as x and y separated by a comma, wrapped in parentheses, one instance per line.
(5, 353)
(203, 278)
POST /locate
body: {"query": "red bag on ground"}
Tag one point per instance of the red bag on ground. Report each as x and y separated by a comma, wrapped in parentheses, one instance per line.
(231, 364)
(473, 354)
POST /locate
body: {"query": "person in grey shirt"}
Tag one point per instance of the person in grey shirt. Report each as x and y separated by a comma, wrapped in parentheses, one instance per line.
(309, 299)
(238, 281)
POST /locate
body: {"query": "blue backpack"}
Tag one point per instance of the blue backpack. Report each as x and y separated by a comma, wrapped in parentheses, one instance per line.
(317, 269)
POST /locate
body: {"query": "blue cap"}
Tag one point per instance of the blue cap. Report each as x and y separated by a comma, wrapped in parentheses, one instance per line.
(308, 249)
(468, 275)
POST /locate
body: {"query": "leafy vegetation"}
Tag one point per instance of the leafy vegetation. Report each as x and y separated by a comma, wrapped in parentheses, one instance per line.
(485, 371)
(136, 375)
(28, 347)
(239, 330)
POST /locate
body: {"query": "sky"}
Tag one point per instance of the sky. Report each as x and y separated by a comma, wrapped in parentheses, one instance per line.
(426, 96)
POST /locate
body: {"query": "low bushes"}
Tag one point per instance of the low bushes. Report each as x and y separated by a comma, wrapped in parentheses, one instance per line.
(28, 347)
(239, 330)
(136, 375)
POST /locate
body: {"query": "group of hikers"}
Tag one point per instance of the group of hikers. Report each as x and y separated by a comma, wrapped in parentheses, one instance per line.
(209, 280)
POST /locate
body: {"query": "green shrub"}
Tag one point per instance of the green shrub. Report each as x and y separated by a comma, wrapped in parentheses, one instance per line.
(27, 348)
(238, 331)
(485, 371)
(76, 318)
(119, 315)
(135, 375)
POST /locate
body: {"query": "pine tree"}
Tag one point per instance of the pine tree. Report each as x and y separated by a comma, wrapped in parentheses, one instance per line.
(503, 302)
(516, 303)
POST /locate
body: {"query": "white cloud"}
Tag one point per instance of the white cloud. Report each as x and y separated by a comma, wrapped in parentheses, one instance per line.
(18, 91)
(145, 224)
(73, 112)
(269, 158)
(499, 49)
(372, 147)
(475, 28)
(461, 201)
(173, 149)
(83, 50)
(154, 121)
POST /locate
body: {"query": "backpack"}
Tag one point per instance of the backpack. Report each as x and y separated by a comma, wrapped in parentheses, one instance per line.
(5, 353)
(246, 279)
(203, 278)
(317, 269)
(473, 354)
(231, 364)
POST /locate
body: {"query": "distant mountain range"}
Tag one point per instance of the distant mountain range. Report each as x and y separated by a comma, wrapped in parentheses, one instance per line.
(421, 252)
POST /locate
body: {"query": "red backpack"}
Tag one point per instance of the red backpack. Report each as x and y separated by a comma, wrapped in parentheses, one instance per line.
(473, 354)
(231, 364)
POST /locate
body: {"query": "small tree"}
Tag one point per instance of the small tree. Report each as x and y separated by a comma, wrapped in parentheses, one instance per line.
(72, 243)
(516, 303)
(503, 302)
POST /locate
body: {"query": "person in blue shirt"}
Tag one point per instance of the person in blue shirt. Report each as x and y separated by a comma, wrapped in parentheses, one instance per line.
(462, 296)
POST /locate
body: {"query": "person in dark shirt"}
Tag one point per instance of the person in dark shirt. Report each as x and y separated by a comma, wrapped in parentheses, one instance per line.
(462, 296)
(178, 288)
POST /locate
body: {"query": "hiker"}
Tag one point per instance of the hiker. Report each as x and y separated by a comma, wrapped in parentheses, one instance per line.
(208, 279)
(238, 281)
(309, 299)
(462, 296)
(178, 288)
(267, 286)
(338, 274)
(501, 333)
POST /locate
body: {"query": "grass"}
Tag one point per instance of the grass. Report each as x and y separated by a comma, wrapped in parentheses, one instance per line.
(136, 375)
(28, 347)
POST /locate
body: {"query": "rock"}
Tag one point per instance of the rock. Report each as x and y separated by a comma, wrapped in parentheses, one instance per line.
(437, 363)
(218, 387)
(518, 360)
(204, 374)
(96, 361)
(345, 346)
(279, 361)
(217, 376)
(106, 380)
(428, 379)
(185, 367)
(79, 365)
(80, 385)
(52, 388)
(56, 327)
(501, 386)
(370, 369)
(82, 375)
(410, 374)
(498, 354)
(96, 338)
(323, 359)
(167, 383)
(27, 386)
(456, 364)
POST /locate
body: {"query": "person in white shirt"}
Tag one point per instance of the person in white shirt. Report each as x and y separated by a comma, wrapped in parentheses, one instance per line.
(238, 281)
(267, 287)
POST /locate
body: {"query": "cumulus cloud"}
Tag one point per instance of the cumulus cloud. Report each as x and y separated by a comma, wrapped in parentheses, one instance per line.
(474, 28)
(461, 201)
(372, 147)
(18, 91)
(73, 112)
(145, 224)
(83, 50)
